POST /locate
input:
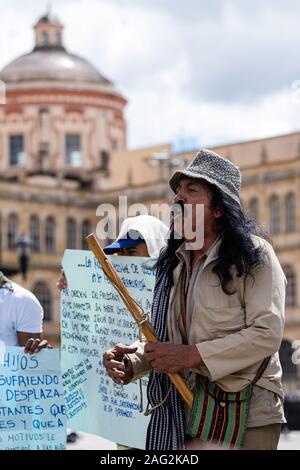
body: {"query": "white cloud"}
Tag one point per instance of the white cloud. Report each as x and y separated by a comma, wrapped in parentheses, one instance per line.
(209, 124)
(189, 69)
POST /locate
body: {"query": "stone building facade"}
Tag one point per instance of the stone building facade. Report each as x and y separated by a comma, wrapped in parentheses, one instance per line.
(59, 125)
(63, 152)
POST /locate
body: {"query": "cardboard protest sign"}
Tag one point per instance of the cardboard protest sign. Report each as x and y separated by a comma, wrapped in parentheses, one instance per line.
(32, 409)
(93, 319)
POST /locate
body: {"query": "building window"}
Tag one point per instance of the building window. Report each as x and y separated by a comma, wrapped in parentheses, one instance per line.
(44, 122)
(44, 38)
(264, 155)
(73, 150)
(43, 158)
(291, 289)
(34, 227)
(290, 213)
(86, 229)
(114, 144)
(274, 215)
(254, 209)
(42, 112)
(50, 235)
(13, 230)
(16, 150)
(71, 234)
(43, 293)
(58, 38)
(104, 160)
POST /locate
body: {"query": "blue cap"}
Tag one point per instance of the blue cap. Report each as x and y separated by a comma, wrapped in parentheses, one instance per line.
(122, 243)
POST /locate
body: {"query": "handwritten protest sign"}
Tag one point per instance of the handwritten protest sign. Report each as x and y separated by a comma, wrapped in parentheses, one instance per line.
(93, 319)
(32, 409)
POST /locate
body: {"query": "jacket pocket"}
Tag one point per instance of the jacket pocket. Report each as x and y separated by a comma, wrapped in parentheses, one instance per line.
(216, 298)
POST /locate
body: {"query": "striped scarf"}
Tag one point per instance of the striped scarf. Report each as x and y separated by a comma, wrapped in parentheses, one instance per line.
(166, 430)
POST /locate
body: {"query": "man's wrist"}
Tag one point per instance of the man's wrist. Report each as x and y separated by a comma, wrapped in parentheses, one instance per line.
(194, 357)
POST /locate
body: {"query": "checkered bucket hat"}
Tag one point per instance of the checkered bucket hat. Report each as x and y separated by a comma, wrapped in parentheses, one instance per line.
(214, 169)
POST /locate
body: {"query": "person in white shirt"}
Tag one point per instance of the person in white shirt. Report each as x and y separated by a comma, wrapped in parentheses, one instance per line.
(21, 317)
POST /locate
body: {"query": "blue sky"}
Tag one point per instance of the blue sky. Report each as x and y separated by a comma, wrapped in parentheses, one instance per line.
(195, 72)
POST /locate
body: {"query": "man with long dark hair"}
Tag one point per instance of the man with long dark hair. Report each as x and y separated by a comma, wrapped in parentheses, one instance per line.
(218, 311)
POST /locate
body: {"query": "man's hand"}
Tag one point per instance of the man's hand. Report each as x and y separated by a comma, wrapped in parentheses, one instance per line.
(33, 346)
(62, 281)
(118, 364)
(169, 358)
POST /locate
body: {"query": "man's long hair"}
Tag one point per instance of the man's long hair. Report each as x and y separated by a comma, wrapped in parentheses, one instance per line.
(237, 248)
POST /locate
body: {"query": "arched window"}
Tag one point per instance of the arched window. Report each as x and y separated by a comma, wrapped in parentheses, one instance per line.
(274, 215)
(289, 369)
(254, 209)
(34, 228)
(290, 213)
(13, 231)
(291, 288)
(43, 293)
(71, 234)
(50, 235)
(86, 229)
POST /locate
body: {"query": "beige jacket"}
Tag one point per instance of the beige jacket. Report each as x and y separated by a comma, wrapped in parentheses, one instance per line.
(232, 333)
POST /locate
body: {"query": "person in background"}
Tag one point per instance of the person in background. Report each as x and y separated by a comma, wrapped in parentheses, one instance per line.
(21, 317)
(144, 236)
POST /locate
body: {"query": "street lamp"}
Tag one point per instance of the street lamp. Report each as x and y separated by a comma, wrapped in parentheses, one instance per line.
(166, 159)
(23, 244)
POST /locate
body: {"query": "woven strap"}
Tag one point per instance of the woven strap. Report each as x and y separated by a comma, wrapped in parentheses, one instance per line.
(261, 370)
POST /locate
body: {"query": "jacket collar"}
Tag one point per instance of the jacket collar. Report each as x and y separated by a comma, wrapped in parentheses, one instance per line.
(211, 254)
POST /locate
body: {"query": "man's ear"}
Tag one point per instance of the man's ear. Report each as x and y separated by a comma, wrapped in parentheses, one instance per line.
(219, 212)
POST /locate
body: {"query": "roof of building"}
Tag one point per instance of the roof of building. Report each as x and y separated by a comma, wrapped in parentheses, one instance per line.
(50, 62)
(49, 18)
(51, 65)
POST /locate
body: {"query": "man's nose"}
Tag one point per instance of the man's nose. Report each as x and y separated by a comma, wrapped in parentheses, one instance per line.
(179, 198)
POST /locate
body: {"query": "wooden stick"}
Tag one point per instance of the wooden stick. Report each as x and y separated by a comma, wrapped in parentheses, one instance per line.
(136, 311)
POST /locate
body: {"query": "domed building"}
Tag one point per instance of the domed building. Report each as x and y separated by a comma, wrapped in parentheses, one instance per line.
(61, 113)
(60, 124)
